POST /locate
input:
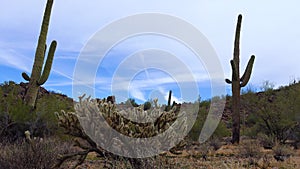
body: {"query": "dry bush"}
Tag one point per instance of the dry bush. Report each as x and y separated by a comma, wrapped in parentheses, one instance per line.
(215, 143)
(250, 149)
(282, 152)
(41, 154)
(268, 142)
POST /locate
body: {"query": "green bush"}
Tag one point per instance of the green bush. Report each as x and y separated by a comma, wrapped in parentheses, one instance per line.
(196, 129)
(221, 130)
(275, 113)
(131, 102)
(147, 105)
(17, 117)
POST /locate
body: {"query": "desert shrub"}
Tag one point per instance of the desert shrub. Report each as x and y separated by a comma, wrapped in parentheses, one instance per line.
(268, 142)
(202, 151)
(131, 102)
(215, 143)
(251, 132)
(250, 148)
(275, 113)
(46, 119)
(41, 154)
(282, 152)
(147, 105)
(221, 130)
(17, 117)
(296, 138)
(196, 129)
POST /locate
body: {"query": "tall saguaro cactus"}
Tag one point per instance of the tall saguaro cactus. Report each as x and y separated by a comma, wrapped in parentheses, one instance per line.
(40, 72)
(168, 107)
(237, 83)
(169, 99)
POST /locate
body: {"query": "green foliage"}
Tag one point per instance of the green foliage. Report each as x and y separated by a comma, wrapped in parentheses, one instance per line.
(275, 113)
(221, 130)
(17, 117)
(147, 105)
(196, 129)
(14, 114)
(131, 102)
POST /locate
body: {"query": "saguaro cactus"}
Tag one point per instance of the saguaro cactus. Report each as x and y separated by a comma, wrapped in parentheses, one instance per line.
(168, 107)
(40, 74)
(169, 100)
(237, 83)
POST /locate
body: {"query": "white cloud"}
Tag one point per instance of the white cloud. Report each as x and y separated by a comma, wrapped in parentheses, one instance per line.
(137, 93)
(271, 35)
(14, 59)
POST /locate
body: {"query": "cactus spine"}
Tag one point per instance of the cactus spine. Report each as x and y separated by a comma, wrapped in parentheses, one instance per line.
(237, 83)
(40, 74)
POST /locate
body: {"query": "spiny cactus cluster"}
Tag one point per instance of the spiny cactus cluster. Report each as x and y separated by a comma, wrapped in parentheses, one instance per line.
(238, 82)
(88, 113)
(40, 74)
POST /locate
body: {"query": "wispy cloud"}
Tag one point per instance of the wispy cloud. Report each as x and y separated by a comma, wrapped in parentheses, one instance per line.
(137, 93)
(14, 59)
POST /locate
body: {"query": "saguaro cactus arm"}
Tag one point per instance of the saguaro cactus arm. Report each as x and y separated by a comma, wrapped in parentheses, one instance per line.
(246, 76)
(48, 65)
(25, 76)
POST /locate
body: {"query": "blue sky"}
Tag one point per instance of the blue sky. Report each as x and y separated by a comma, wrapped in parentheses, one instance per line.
(270, 30)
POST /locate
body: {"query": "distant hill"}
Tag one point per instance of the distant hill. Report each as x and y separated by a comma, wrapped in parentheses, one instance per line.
(19, 90)
(286, 94)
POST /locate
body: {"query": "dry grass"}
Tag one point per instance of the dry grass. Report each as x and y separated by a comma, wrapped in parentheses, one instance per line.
(41, 154)
(247, 155)
(227, 157)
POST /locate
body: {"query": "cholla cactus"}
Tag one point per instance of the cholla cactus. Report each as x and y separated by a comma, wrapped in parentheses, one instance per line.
(88, 113)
